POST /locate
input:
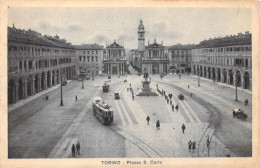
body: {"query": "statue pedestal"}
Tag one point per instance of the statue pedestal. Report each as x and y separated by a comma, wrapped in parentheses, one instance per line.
(146, 91)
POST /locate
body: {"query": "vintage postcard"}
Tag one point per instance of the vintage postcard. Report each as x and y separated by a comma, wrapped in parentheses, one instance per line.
(129, 84)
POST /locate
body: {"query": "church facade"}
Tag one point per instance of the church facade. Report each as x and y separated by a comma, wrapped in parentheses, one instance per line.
(114, 59)
(153, 57)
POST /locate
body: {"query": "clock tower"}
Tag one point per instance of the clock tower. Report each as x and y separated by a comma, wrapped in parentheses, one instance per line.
(141, 39)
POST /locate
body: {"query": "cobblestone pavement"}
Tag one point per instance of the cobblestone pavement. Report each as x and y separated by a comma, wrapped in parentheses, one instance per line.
(129, 135)
(235, 134)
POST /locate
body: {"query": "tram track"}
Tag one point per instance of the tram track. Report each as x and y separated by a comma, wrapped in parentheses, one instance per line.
(140, 144)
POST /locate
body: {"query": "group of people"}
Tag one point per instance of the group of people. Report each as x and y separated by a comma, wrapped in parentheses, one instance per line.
(131, 90)
(157, 122)
(75, 150)
(46, 97)
(168, 99)
(192, 145)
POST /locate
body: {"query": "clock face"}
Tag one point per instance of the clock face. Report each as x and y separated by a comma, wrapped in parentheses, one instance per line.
(114, 53)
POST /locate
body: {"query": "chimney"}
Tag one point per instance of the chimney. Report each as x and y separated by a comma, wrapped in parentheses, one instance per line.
(247, 32)
(148, 42)
(162, 42)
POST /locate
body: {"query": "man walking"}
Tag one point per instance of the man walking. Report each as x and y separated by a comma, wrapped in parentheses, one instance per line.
(148, 119)
(183, 128)
(188, 86)
(76, 98)
(194, 145)
(177, 107)
(173, 107)
(78, 148)
(73, 150)
(190, 143)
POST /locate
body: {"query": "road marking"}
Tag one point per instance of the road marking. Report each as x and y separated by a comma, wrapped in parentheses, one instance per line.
(62, 148)
(197, 118)
(120, 113)
(68, 151)
(126, 113)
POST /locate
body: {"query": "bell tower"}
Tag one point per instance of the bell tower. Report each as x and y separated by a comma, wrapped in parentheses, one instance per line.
(141, 39)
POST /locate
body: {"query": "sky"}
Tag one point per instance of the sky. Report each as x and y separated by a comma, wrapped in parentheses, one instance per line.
(98, 25)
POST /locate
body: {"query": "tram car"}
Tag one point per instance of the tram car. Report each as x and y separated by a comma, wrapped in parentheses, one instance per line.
(103, 112)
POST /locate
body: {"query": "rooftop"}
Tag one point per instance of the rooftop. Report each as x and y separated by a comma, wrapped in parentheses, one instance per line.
(155, 45)
(114, 45)
(89, 47)
(182, 47)
(33, 37)
(239, 39)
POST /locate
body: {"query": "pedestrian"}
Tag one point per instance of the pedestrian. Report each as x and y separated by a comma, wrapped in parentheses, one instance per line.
(190, 94)
(177, 107)
(133, 97)
(173, 108)
(188, 86)
(148, 119)
(130, 85)
(158, 124)
(208, 142)
(73, 150)
(183, 128)
(194, 145)
(167, 101)
(78, 148)
(170, 102)
(190, 143)
(76, 98)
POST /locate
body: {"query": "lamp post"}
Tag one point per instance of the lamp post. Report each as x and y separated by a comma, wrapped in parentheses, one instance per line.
(82, 76)
(236, 81)
(61, 100)
(199, 79)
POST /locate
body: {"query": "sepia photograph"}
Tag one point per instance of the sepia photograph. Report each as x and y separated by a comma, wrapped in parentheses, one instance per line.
(129, 82)
(129, 85)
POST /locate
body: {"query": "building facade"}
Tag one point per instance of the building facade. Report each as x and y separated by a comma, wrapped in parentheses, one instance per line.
(227, 60)
(180, 58)
(114, 59)
(36, 62)
(155, 59)
(90, 57)
(152, 57)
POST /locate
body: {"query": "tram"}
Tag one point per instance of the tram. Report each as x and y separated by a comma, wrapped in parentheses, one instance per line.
(103, 112)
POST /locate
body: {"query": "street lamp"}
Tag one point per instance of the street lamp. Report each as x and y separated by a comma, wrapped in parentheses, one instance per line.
(236, 83)
(82, 76)
(199, 79)
(61, 100)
